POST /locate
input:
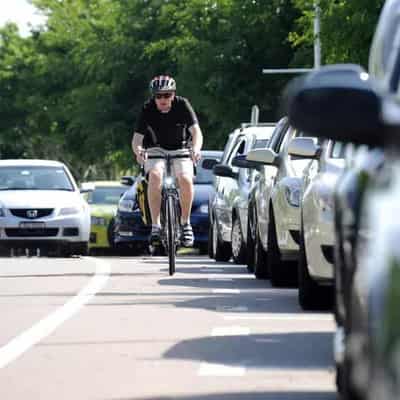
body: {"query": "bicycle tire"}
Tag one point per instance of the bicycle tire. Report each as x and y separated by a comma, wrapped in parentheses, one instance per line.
(171, 232)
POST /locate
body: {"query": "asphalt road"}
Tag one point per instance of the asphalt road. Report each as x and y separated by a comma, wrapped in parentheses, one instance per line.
(119, 328)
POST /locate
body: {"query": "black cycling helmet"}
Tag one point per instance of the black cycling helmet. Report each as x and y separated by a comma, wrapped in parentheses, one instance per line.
(162, 83)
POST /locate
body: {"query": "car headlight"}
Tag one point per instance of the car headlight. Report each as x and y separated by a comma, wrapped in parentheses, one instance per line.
(69, 210)
(293, 196)
(126, 205)
(98, 221)
(203, 209)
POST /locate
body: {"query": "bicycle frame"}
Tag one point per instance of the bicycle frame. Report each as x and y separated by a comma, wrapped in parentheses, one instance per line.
(170, 211)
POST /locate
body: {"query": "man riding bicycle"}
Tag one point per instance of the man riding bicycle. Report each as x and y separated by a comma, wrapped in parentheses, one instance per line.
(168, 123)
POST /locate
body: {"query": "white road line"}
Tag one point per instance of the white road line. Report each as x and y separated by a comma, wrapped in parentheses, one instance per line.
(230, 331)
(216, 278)
(294, 317)
(226, 291)
(48, 325)
(231, 309)
(209, 369)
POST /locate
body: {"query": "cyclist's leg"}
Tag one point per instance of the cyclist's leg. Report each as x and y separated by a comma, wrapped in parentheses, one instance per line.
(155, 170)
(183, 169)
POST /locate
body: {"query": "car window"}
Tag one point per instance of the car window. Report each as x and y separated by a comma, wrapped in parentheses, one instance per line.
(34, 178)
(106, 195)
(337, 150)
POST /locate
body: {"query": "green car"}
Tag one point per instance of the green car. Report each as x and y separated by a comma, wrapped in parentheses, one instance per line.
(103, 197)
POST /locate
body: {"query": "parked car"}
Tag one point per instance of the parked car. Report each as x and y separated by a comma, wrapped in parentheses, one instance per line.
(230, 203)
(364, 110)
(42, 208)
(132, 226)
(103, 198)
(315, 267)
(275, 210)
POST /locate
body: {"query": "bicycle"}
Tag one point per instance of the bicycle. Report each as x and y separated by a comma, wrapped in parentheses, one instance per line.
(170, 211)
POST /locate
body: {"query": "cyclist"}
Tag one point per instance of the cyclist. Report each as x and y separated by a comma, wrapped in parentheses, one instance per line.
(168, 122)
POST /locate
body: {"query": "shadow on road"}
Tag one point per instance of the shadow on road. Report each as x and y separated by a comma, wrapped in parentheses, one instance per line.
(284, 395)
(294, 350)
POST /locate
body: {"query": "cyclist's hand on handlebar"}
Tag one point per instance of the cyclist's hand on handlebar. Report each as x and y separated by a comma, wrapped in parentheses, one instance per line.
(196, 155)
(141, 155)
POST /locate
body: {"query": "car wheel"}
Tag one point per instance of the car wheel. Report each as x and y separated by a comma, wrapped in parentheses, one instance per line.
(311, 295)
(279, 271)
(222, 250)
(260, 259)
(250, 241)
(210, 241)
(238, 247)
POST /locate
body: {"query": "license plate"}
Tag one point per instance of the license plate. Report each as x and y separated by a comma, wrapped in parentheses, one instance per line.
(32, 225)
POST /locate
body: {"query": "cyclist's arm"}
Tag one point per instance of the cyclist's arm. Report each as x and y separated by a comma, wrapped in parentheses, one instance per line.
(137, 146)
(197, 140)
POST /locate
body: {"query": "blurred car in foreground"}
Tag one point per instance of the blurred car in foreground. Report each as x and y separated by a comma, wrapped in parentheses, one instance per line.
(133, 221)
(42, 208)
(103, 198)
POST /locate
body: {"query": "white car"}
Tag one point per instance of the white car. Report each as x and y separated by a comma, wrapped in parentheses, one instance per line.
(42, 208)
(317, 220)
(275, 212)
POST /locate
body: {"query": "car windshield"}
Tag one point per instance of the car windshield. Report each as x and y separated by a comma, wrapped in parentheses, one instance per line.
(106, 195)
(34, 178)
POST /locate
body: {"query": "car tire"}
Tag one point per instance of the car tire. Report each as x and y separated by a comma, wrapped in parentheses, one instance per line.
(222, 250)
(261, 270)
(210, 241)
(250, 241)
(311, 296)
(279, 271)
(237, 242)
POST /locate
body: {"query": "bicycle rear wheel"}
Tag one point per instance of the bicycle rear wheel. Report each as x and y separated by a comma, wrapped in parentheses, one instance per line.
(171, 233)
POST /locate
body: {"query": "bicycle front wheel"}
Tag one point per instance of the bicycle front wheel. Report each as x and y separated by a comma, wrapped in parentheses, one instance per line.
(171, 232)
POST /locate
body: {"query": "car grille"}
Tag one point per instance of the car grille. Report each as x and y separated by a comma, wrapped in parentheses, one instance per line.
(30, 212)
(31, 232)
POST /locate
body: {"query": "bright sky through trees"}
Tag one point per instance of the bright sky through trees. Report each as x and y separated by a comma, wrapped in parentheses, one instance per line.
(21, 12)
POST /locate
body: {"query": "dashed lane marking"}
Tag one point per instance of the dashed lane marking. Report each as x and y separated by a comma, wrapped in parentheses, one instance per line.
(209, 369)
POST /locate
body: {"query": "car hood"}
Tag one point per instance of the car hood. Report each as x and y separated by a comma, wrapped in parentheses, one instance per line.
(39, 198)
(100, 210)
(202, 192)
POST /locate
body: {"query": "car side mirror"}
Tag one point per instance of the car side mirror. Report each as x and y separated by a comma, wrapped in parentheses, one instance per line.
(306, 147)
(242, 162)
(263, 156)
(225, 171)
(209, 163)
(127, 180)
(337, 102)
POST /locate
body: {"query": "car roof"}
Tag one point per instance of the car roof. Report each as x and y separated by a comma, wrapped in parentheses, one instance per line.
(30, 163)
(261, 132)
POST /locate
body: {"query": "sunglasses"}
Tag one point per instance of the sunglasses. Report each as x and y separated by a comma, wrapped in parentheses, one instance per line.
(163, 95)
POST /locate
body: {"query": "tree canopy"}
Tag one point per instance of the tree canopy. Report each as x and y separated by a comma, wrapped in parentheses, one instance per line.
(73, 89)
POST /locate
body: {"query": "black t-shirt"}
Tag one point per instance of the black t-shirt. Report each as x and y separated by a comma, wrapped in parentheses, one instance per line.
(171, 128)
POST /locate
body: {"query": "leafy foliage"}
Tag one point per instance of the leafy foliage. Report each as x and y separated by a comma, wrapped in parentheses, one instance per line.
(73, 89)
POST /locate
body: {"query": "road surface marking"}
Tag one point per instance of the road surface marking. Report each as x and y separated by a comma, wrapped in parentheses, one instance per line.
(217, 278)
(294, 317)
(209, 369)
(226, 291)
(231, 309)
(230, 331)
(49, 324)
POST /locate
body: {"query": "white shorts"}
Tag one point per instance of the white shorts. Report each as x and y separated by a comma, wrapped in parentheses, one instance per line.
(180, 166)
